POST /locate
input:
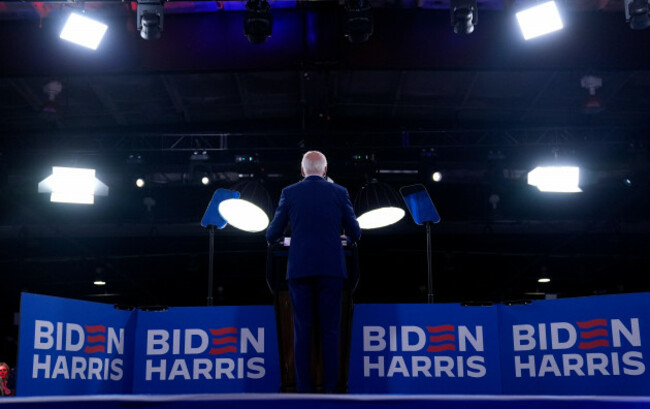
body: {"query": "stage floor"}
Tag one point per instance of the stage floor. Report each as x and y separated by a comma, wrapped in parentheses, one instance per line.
(296, 401)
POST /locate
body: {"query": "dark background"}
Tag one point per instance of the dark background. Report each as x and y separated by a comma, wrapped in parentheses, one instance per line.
(484, 109)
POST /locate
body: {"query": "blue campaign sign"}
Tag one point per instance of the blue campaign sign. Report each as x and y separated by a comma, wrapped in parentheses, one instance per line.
(207, 350)
(578, 346)
(424, 348)
(71, 347)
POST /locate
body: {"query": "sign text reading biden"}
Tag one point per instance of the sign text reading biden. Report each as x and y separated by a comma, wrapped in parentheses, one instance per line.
(224, 349)
(71, 347)
(425, 349)
(218, 342)
(588, 345)
(51, 339)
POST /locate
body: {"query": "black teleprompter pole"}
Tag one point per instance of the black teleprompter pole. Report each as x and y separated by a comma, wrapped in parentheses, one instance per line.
(211, 266)
(429, 263)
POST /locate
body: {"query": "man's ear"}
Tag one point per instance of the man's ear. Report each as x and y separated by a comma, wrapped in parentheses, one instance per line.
(302, 171)
(325, 171)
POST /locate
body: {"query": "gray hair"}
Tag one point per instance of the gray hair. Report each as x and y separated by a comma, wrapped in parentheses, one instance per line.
(313, 163)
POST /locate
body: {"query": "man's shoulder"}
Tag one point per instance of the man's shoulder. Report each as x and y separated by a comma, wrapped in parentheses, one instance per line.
(313, 182)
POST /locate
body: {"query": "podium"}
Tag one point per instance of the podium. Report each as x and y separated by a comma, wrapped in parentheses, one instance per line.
(276, 267)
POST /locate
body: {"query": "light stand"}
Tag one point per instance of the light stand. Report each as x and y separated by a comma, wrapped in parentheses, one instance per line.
(424, 212)
(211, 219)
(429, 263)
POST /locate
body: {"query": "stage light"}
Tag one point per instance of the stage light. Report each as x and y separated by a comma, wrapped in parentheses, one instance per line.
(250, 211)
(436, 176)
(150, 17)
(378, 205)
(139, 182)
(464, 15)
(544, 280)
(258, 22)
(539, 20)
(199, 155)
(562, 179)
(72, 185)
(99, 282)
(358, 24)
(83, 31)
(637, 13)
(205, 180)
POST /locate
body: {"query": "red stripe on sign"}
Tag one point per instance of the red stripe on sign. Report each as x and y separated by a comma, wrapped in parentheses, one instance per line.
(440, 338)
(594, 344)
(221, 331)
(599, 322)
(95, 328)
(444, 347)
(594, 333)
(225, 340)
(219, 351)
(91, 339)
(96, 348)
(441, 328)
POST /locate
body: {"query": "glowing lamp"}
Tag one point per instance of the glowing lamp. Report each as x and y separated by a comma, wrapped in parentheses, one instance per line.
(83, 31)
(562, 179)
(72, 185)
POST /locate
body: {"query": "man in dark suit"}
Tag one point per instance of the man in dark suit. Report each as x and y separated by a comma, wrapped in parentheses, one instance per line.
(316, 210)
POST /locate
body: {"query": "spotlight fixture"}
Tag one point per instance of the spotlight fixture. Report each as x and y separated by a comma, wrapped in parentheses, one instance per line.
(358, 24)
(250, 209)
(50, 109)
(150, 19)
(561, 179)
(436, 176)
(378, 205)
(593, 104)
(139, 182)
(202, 155)
(72, 185)
(83, 31)
(258, 22)
(637, 13)
(539, 20)
(205, 180)
(464, 15)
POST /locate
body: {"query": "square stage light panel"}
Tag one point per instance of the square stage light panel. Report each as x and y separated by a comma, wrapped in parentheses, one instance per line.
(72, 185)
(561, 179)
(83, 31)
(539, 20)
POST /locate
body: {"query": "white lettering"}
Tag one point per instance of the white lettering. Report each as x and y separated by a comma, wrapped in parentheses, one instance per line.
(373, 338)
(247, 338)
(464, 335)
(523, 337)
(157, 342)
(43, 331)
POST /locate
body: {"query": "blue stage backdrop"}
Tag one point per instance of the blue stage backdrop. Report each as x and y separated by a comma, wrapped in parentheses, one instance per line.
(585, 346)
(207, 350)
(579, 346)
(424, 348)
(70, 347)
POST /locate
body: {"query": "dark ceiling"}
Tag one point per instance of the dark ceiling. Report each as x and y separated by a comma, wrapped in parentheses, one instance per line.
(484, 108)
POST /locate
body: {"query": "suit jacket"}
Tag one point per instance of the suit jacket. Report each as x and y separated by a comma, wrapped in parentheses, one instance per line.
(316, 210)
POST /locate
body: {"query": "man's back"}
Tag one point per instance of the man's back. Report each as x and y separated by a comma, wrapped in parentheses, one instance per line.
(316, 210)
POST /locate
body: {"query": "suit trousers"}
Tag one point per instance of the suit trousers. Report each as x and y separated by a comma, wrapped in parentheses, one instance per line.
(316, 300)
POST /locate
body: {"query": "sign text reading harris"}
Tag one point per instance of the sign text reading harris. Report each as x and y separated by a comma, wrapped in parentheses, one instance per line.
(584, 348)
(194, 353)
(73, 348)
(431, 351)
